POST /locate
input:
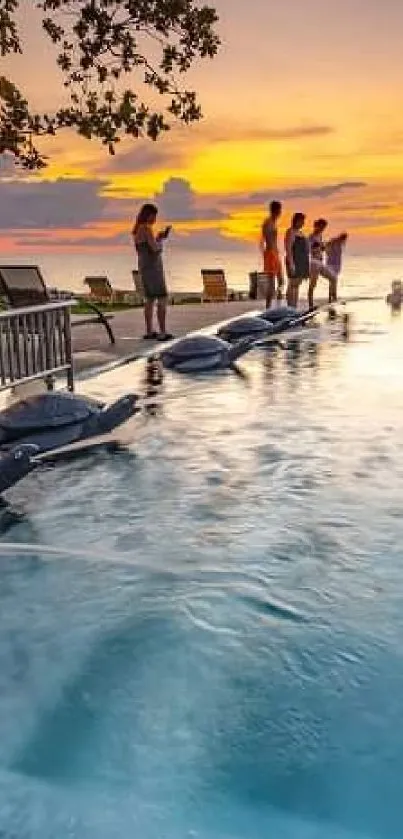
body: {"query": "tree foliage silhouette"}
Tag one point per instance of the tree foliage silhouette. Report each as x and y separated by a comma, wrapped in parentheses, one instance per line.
(121, 63)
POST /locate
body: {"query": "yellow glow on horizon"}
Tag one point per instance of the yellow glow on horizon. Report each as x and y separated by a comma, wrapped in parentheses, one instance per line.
(224, 168)
(139, 185)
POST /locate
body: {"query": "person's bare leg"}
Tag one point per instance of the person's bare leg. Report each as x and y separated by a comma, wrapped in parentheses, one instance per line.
(148, 316)
(295, 295)
(290, 293)
(333, 291)
(311, 291)
(313, 279)
(329, 275)
(335, 295)
(271, 281)
(161, 314)
(280, 286)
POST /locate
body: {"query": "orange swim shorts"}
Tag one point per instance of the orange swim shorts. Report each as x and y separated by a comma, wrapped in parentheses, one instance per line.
(271, 263)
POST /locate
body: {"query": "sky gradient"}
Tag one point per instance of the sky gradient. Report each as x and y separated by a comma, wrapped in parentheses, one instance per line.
(302, 103)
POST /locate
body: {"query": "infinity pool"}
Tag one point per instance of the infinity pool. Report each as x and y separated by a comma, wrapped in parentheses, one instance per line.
(203, 637)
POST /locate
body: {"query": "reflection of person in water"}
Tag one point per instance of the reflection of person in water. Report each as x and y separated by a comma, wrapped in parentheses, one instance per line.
(153, 380)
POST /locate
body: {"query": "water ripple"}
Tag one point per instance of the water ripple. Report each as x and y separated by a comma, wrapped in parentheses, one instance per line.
(203, 636)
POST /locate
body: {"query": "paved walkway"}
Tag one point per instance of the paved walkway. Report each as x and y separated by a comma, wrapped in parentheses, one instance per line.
(91, 344)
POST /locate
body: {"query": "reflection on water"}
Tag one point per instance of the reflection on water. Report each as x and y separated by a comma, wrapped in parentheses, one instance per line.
(202, 637)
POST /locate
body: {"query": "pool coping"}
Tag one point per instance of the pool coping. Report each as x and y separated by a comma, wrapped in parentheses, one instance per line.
(145, 352)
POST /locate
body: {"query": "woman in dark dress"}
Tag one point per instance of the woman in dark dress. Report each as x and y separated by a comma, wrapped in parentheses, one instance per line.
(296, 257)
(151, 269)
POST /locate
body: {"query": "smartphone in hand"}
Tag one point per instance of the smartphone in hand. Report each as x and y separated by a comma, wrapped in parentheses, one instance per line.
(165, 233)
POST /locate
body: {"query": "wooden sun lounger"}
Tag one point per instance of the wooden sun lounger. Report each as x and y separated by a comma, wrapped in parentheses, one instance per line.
(100, 289)
(214, 285)
(23, 285)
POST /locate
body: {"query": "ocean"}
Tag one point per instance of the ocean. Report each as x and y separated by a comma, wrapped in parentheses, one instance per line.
(371, 273)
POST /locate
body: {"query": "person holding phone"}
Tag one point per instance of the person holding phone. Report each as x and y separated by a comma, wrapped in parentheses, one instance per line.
(149, 248)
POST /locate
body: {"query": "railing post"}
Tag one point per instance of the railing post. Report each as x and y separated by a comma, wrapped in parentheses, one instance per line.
(68, 349)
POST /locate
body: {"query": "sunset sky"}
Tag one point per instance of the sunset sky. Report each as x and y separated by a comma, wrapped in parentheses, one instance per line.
(303, 103)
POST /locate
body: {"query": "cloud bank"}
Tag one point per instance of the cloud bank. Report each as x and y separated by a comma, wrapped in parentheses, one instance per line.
(41, 214)
(178, 202)
(34, 204)
(326, 191)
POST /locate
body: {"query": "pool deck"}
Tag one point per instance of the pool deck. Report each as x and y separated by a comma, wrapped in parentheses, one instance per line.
(91, 345)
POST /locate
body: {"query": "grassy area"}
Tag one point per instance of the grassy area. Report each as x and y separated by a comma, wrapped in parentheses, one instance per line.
(82, 307)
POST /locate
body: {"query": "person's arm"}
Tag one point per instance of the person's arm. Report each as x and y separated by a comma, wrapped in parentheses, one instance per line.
(263, 237)
(155, 244)
(163, 234)
(267, 233)
(145, 234)
(289, 241)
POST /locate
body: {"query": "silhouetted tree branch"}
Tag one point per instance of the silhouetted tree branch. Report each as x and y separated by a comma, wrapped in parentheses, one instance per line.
(100, 43)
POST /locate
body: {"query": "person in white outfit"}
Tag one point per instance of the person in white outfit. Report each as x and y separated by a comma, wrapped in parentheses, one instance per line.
(334, 257)
(318, 268)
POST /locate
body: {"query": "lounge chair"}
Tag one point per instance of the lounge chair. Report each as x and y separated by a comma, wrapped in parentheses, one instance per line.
(23, 285)
(100, 289)
(215, 288)
(214, 285)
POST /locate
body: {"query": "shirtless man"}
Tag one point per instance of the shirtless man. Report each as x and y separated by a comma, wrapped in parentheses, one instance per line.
(271, 259)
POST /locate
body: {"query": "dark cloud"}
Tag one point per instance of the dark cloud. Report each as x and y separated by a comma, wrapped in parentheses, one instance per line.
(238, 131)
(352, 222)
(209, 240)
(34, 204)
(31, 204)
(212, 239)
(143, 156)
(296, 132)
(172, 150)
(348, 208)
(178, 202)
(326, 191)
(76, 242)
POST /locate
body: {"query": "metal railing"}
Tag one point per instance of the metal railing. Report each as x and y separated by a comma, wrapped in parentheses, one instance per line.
(35, 343)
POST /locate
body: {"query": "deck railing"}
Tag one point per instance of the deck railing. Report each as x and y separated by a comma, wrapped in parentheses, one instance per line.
(35, 343)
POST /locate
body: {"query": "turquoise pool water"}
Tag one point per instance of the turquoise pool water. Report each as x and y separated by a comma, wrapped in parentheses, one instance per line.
(203, 637)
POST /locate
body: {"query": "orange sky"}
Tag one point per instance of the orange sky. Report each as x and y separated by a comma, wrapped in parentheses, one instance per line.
(302, 103)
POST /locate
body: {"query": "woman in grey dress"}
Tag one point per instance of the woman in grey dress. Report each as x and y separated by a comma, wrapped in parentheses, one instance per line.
(151, 269)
